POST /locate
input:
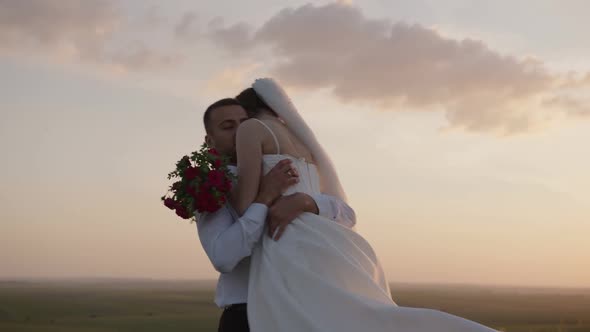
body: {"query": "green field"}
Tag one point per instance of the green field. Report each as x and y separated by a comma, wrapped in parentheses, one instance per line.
(140, 305)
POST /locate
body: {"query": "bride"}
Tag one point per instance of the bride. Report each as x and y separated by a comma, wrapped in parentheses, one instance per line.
(320, 276)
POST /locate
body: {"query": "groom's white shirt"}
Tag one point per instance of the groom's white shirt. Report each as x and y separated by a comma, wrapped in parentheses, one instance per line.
(228, 241)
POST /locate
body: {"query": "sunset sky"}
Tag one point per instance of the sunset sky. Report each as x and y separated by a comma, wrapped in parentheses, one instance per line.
(459, 128)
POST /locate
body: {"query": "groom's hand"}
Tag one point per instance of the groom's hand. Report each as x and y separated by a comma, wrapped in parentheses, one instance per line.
(286, 209)
(276, 182)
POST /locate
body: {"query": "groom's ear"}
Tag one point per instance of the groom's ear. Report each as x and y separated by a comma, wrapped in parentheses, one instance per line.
(208, 140)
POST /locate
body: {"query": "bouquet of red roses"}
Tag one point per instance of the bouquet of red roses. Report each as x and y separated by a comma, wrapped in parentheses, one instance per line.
(203, 183)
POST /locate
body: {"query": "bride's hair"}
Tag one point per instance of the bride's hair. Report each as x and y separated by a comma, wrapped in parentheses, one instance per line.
(252, 103)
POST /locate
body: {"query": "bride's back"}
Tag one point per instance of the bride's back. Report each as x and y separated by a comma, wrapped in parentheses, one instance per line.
(279, 143)
(286, 142)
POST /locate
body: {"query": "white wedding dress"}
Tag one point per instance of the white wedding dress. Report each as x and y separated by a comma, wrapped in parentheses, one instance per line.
(321, 276)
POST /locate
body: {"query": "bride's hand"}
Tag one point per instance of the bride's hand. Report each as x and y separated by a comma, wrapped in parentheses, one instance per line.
(276, 182)
(286, 209)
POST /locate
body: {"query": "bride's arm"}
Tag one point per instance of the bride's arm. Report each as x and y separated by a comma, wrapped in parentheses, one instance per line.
(249, 153)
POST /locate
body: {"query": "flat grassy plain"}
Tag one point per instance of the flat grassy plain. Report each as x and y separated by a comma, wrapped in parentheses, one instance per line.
(160, 305)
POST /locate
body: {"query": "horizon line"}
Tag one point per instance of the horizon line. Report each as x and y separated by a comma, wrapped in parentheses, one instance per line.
(162, 279)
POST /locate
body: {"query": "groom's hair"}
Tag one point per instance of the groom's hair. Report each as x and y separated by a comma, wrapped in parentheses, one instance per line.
(212, 107)
(252, 103)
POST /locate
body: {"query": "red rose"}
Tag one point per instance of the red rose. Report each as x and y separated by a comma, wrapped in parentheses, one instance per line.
(222, 200)
(170, 203)
(182, 212)
(191, 173)
(204, 187)
(203, 181)
(216, 178)
(212, 204)
(191, 191)
(202, 200)
(207, 202)
(225, 186)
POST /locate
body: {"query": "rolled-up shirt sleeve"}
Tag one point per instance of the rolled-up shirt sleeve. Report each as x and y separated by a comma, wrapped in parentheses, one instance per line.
(335, 209)
(227, 240)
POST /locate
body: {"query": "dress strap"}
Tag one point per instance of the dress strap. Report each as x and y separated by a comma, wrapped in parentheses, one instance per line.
(272, 133)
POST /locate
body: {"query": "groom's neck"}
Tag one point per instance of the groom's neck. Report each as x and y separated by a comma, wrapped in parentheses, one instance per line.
(232, 160)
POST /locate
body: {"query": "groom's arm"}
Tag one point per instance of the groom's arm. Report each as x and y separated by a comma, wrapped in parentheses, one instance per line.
(226, 240)
(335, 209)
(287, 208)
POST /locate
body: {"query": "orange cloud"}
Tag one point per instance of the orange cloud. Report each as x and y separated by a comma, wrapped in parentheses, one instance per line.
(574, 107)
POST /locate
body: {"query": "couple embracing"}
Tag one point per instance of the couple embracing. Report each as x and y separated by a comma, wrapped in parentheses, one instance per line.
(285, 244)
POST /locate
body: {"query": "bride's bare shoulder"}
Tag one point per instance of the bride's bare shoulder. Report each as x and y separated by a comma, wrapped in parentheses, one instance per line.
(249, 127)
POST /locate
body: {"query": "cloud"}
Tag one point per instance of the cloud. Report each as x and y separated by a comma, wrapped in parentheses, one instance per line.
(573, 80)
(572, 106)
(399, 66)
(236, 38)
(75, 30)
(140, 57)
(185, 28)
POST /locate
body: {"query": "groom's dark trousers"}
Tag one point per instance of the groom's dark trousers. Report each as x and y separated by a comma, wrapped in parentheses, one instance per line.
(234, 319)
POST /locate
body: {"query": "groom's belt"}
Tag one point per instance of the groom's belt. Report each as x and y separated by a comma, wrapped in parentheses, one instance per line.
(235, 306)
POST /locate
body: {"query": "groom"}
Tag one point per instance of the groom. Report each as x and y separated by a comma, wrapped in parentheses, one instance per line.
(228, 239)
